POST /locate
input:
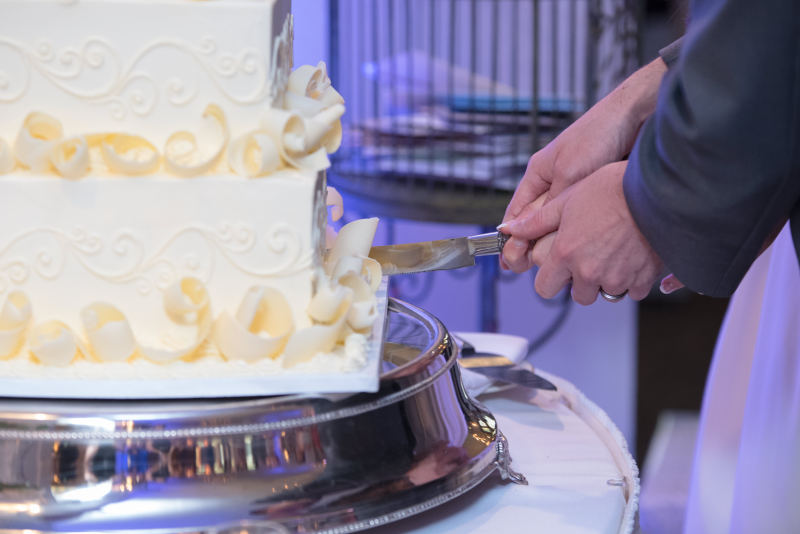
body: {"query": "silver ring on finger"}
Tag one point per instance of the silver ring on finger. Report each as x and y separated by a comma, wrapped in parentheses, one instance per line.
(612, 298)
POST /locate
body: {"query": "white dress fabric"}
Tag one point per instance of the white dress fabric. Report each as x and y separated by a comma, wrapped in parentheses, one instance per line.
(746, 475)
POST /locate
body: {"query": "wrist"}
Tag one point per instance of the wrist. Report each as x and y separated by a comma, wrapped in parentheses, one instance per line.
(636, 97)
(644, 88)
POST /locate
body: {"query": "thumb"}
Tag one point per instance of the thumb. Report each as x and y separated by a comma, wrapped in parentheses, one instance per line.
(536, 223)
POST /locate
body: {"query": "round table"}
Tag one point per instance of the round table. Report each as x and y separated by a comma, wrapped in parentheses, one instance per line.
(581, 477)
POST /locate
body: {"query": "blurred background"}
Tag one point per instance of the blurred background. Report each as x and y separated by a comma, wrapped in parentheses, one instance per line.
(446, 101)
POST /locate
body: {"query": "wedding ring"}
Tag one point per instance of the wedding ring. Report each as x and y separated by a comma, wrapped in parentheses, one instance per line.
(612, 298)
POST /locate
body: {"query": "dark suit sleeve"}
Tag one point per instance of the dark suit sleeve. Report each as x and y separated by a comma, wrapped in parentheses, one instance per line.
(715, 169)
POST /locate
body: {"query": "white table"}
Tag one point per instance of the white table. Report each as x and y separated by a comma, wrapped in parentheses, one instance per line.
(581, 477)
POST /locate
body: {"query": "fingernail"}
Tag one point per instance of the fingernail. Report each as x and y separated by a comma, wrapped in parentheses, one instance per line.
(501, 226)
(667, 286)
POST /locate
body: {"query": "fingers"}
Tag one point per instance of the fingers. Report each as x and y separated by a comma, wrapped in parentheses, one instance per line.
(670, 284)
(551, 278)
(531, 187)
(515, 255)
(534, 223)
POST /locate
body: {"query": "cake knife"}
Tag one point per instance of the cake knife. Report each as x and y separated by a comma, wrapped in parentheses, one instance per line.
(437, 255)
(499, 367)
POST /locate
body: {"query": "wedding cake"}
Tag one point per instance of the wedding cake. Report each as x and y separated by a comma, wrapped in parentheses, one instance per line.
(163, 197)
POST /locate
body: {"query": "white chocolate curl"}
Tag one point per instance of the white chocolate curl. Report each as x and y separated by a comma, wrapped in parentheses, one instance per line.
(183, 154)
(108, 332)
(128, 154)
(261, 328)
(6, 158)
(288, 132)
(354, 239)
(35, 141)
(53, 343)
(70, 157)
(15, 317)
(330, 303)
(254, 154)
(185, 302)
(364, 310)
(308, 342)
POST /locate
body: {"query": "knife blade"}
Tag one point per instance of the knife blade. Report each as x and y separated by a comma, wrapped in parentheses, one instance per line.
(512, 374)
(437, 255)
(516, 375)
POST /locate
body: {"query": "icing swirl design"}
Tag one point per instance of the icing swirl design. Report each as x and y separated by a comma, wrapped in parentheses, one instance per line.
(262, 327)
(300, 136)
(233, 241)
(127, 88)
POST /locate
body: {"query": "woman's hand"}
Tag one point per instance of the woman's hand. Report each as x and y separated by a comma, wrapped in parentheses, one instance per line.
(604, 134)
(597, 245)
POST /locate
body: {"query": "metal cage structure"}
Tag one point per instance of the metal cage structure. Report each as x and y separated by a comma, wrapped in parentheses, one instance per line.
(448, 99)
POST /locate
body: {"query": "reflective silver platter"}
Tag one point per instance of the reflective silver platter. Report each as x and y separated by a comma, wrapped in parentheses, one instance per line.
(332, 464)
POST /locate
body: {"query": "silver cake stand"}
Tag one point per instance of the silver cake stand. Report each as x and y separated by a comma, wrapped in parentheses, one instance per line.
(332, 464)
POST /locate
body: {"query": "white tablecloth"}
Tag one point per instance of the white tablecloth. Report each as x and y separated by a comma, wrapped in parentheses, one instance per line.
(581, 476)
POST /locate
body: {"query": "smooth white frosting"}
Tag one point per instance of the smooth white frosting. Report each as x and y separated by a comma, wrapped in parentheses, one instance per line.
(161, 190)
(148, 68)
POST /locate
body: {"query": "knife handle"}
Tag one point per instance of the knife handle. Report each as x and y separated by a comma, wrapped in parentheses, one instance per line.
(487, 244)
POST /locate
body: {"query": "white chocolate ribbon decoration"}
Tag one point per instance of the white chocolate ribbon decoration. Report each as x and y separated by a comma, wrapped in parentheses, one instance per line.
(307, 343)
(288, 131)
(354, 239)
(128, 154)
(54, 343)
(15, 317)
(108, 332)
(6, 158)
(261, 328)
(254, 154)
(186, 303)
(313, 83)
(325, 129)
(183, 154)
(364, 310)
(70, 157)
(35, 141)
(330, 303)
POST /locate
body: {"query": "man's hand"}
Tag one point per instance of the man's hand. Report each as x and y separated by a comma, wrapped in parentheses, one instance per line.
(604, 134)
(597, 245)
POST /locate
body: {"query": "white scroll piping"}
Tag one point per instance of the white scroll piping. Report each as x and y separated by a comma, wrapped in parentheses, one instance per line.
(302, 135)
(15, 316)
(183, 154)
(261, 328)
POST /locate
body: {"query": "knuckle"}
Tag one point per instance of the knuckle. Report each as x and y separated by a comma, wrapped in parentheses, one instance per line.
(587, 271)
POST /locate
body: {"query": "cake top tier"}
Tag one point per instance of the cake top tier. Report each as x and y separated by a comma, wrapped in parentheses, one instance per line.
(145, 67)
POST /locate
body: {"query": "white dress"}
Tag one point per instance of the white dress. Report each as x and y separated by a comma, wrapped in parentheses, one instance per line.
(746, 474)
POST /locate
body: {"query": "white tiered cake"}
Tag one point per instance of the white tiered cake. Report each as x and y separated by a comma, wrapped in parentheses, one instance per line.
(162, 194)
